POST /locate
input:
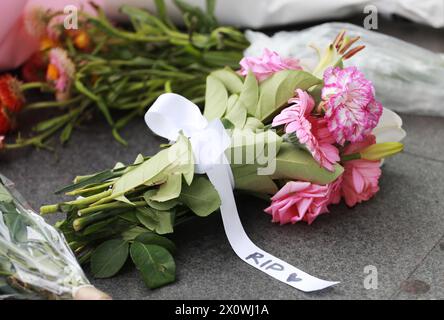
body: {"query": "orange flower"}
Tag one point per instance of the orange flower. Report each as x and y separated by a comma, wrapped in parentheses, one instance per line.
(47, 43)
(52, 73)
(82, 40)
(10, 95)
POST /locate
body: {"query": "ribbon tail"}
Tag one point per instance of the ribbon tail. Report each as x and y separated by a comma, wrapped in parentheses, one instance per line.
(246, 249)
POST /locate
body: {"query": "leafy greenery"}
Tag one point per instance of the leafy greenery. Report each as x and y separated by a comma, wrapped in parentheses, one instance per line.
(109, 258)
(155, 263)
(124, 69)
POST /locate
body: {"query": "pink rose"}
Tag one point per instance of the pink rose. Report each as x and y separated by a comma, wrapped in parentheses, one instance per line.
(305, 201)
(360, 177)
(265, 66)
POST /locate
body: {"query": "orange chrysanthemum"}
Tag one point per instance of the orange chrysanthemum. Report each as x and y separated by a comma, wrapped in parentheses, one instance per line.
(10, 95)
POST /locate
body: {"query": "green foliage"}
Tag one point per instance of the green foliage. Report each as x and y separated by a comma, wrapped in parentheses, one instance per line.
(155, 263)
(108, 258)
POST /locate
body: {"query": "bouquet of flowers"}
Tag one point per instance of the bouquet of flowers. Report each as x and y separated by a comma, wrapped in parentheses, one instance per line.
(35, 260)
(305, 138)
(113, 70)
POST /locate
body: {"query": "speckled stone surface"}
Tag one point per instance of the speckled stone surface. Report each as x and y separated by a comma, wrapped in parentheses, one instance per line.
(400, 232)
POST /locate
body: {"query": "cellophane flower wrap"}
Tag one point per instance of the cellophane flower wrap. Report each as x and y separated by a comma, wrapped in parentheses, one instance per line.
(35, 260)
(318, 130)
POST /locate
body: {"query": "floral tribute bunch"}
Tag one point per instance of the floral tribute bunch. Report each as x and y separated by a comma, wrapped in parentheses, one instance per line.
(328, 140)
(35, 260)
(115, 71)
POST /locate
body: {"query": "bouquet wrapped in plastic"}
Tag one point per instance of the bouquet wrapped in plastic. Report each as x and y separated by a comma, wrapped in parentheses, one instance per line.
(35, 260)
(305, 138)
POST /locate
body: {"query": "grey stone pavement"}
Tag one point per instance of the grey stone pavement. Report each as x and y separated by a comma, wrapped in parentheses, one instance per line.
(400, 231)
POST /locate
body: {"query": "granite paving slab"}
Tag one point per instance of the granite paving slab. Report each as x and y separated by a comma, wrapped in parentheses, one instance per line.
(394, 232)
(400, 232)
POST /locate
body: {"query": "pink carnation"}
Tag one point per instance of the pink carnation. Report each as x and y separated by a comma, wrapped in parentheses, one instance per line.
(265, 66)
(304, 201)
(351, 109)
(310, 131)
(360, 177)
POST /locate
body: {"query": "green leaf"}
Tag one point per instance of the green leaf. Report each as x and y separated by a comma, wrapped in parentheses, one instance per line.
(98, 226)
(158, 221)
(162, 12)
(108, 258)
(253, 124)
(162, 206)
(48, 124)
(17, 226)
(103, 107)
(236, 113)
(170, 189)
(232, 100)
(155, 263)
(5, 196)
(216, 98)
(279, 88)
(131, 234)
(152, 238)
(250, 94)
(228, 125)
(230, 79)
(66, 133)
(246, 178)
(201, 197)
(296, 164)
(129, 216)
(97, 178)
(176, 158)
(249, 147)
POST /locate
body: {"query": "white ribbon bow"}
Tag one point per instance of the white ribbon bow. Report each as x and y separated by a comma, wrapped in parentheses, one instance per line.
(171, 114)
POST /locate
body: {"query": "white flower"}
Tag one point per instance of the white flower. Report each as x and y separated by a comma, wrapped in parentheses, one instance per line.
(389, 128)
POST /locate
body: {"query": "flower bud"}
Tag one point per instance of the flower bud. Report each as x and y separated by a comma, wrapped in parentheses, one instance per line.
(379, 151)
(81, 40)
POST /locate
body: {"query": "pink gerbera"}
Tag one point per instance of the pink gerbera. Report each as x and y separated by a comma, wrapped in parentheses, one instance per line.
(351, 109)
(312, 132)
(265, 66)
(360, 177)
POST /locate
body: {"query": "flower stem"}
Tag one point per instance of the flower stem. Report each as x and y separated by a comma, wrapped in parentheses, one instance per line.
(91, 199)
(109, 206)
(51, 104)
(349, 157)
(34, 85)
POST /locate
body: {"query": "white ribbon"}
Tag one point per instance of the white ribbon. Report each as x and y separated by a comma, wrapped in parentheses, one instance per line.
(171, 114)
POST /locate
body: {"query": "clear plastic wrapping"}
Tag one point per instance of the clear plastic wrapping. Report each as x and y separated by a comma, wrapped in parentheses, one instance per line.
(35, 259)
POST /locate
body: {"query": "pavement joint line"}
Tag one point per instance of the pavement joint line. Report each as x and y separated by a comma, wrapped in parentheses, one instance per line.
(419, 264)
(422, 157)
